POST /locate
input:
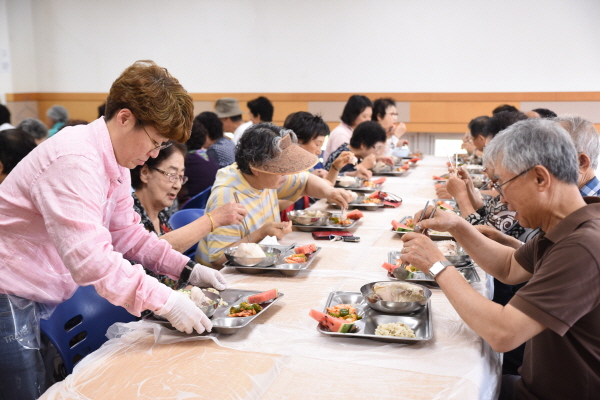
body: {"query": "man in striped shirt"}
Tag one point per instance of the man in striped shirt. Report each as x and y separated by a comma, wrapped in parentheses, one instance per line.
(269, 167)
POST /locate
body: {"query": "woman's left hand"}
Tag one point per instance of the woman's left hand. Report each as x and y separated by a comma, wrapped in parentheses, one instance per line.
(420, 251)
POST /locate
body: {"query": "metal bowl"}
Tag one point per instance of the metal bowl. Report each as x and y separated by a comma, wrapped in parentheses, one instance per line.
(393, 307)
(210, 309)
(351, 183)
(473, 169)
(271, 252)
(309, 217)
(460, 259)
(478, 180)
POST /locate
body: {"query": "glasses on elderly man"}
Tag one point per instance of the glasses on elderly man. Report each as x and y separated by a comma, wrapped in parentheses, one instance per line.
(172, 177)
(157, 146)
(497, 187)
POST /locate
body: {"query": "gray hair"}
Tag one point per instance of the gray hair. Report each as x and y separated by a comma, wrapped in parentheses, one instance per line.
(584, 135)
(58, 113)
(34, 127)
(260, 144)
(534, 142)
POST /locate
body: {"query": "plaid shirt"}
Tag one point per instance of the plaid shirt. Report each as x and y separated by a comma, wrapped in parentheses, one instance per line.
(592, 188)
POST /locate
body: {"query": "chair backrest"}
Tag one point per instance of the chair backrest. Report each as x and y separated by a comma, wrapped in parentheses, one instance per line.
(78, 326)
(199, 200)
(182, 218)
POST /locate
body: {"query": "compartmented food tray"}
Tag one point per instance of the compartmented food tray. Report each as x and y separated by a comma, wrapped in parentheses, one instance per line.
(223, 323)
(391, 171)
(311, 228)
(422, 278)
(420, 322)
(434, 235)
(359, 203)
(359, 187)
(280, 265)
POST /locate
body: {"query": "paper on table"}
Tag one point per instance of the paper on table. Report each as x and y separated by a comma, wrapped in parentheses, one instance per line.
(269, 241)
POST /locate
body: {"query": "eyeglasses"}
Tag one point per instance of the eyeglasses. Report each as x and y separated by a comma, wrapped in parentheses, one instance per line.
(172, 177)
(157, 146)
(495, 185)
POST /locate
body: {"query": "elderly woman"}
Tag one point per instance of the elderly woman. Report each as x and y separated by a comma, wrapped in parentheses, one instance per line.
(367, 140)
(35, 128)
(269, 166)
(557, 312)
(386, 114)
(56, 117)
(358, 109)
(220, 148)
(67, 219)
(156, 184)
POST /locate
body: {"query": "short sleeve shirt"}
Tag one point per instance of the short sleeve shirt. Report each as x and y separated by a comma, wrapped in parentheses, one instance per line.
(563, 294)
(223, 152)
(333, 156)
(262, 206)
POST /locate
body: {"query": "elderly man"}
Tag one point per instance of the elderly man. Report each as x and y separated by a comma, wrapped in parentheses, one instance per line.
(269, 167)
(558, 311)
(228, 110)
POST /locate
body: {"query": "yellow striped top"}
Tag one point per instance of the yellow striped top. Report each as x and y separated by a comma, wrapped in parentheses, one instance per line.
(262, 206)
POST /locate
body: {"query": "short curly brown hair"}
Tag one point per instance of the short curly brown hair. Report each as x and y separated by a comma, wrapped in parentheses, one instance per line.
(155, 98)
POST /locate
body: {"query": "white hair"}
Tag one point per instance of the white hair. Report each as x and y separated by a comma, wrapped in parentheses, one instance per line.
(584, 135)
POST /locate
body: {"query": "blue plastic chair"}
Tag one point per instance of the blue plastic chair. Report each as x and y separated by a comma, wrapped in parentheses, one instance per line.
(78, 326)
(182, 218)
(199, 200)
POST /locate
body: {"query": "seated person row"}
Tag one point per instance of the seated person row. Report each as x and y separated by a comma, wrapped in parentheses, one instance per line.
(156, 185)
(269, 166)
(557, 312)
(386, 114)
(311, 132)
(368, 139)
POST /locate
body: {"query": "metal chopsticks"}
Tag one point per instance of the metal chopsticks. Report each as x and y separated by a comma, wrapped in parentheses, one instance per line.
(246, 230)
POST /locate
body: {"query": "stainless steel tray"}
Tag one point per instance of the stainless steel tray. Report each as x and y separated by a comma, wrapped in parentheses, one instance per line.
(450, 202)
(420, 322)
(358, 187)
(280, 265)
(389, 170)
(311, 228)
(221, 322)
(422, 278)
(359, 203)
(432, 234)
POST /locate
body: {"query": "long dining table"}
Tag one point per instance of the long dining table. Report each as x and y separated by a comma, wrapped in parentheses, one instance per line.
(281, 355)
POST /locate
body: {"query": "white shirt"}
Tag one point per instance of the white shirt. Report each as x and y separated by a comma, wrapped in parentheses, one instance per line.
(5, 126)
(237, 135)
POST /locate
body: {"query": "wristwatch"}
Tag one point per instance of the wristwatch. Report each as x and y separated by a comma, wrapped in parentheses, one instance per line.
(184, 277)
(438, 267)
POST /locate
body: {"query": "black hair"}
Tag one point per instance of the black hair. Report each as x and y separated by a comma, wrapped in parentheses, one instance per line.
(257, 146)
(354, 107)
(380, 106)
(261, 107)
(368, 133)
(477, 125)
(198, 136)
(545, 113)
(4, 114)
(15, 144)
(101, 110)
(306, 126)
(136, 181)
(500, 121)
(212, 123)
(505, 107)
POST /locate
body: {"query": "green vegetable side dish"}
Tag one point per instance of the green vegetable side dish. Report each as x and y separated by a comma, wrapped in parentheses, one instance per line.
(244, 306)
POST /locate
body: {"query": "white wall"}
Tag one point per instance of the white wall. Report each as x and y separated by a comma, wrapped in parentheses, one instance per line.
(309, 45)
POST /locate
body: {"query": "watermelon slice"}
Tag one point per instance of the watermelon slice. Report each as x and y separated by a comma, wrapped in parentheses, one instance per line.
(375, 195)
(263, 297)
(414, 160)
(355, 214)
(389, 267)
(439, 178)
(401, 227)
(444, 206)
(334, 324)
(306, 249)
(378, 181)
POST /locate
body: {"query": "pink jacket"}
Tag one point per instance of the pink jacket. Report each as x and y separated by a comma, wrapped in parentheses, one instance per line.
(66, 219)
(339, 135)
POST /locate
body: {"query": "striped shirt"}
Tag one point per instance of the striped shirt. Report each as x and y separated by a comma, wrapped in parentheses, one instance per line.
(262, 206)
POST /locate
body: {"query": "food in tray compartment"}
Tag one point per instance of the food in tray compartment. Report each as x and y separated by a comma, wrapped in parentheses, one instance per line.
(400, 227)
(215, 291)
(397, 329)
(296, 259)
(369, 184)
(379, 166)
(314, 213)
(398, 292)
(344, 311)
(346, 181)
(440, 178)
(369, 200)
(249, 250)
(264, 296)
(306, 249)
(355, 214)
(338, 221)
(197, 296)
(332, 323)
(444, 206)
(391, 267)
(245, 309)
(448, 248)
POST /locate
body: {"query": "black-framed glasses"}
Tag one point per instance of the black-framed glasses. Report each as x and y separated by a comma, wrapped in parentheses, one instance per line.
(172, 177)
(157, 146)
(497, 187)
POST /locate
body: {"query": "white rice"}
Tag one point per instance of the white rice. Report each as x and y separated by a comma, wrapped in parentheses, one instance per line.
(397, 329)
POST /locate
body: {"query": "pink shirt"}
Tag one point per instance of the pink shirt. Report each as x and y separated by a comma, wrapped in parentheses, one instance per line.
(339, 135)
(67, 219)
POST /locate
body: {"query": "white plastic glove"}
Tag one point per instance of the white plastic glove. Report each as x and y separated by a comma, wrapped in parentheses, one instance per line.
(203, 276)
(184, 315)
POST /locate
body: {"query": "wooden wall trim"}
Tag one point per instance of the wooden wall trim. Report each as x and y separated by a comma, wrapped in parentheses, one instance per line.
(411, 97)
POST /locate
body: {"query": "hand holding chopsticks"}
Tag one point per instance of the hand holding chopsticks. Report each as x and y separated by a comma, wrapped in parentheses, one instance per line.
(246, 230)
